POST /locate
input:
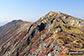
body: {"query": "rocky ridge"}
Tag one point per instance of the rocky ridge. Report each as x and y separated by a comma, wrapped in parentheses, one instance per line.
(54, 34)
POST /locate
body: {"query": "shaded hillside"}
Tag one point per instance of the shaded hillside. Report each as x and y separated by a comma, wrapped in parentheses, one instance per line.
(11, 29)
(55, 34)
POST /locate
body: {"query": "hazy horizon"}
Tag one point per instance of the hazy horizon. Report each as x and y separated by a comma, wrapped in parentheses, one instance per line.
(34, 9)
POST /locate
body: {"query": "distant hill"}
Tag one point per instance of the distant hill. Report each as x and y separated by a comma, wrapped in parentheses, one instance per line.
(10, 29)
(55, 34)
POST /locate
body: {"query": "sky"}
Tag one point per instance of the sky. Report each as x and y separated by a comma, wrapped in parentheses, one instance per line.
(32, 10)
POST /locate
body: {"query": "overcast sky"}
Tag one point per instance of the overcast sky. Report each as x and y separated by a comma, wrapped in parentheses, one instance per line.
(32, 10)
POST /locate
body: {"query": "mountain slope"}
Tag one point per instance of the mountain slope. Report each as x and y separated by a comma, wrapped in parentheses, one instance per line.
(10, 29)
(55, 34)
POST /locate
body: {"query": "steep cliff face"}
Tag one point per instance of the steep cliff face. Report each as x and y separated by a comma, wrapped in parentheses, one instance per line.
(55, 34)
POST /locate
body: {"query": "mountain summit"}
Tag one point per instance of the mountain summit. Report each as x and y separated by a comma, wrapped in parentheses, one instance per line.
(55, 34)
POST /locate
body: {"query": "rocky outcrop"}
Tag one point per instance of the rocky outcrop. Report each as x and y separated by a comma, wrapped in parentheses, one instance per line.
(54, 34)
